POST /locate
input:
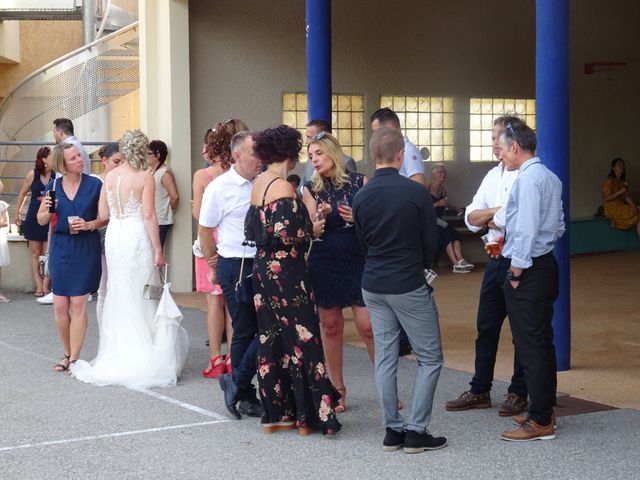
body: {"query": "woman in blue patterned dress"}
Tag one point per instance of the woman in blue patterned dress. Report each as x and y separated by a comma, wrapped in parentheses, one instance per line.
(293, 383)
(74, 261)
(36, 181)
(336, 261)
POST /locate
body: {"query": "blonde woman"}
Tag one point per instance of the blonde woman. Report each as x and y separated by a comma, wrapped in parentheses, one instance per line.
(336, 261)
(74, 260)
(136, 349)
(217, 152)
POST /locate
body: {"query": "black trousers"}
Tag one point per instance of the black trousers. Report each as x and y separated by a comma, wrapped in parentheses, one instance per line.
(530, 310)
(491, 314)
(244, 344)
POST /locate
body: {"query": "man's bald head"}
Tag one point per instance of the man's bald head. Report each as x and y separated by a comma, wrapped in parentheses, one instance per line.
(385, 144)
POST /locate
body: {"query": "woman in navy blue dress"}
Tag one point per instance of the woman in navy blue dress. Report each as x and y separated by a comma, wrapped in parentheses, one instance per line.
(36, 181)
(336, 261)
(74, 261)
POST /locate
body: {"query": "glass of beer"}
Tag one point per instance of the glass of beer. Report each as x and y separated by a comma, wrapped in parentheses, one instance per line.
(493, 244)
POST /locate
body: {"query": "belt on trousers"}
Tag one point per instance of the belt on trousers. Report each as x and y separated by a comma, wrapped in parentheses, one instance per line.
(238, 259)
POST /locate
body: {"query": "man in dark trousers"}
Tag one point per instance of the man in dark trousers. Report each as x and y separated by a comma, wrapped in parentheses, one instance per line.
(487, 202)
(396, 226)
(534, 223)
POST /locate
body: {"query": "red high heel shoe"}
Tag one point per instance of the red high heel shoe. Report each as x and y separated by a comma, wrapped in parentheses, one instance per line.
(217, 367)
(227, 364)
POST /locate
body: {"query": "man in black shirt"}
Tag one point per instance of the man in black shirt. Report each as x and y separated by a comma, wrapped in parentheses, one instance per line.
(396, 226)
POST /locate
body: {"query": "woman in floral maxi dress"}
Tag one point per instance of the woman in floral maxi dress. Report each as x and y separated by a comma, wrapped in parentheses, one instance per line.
(293, 383)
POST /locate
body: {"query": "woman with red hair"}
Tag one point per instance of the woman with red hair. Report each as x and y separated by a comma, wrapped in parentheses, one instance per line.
(35, 181)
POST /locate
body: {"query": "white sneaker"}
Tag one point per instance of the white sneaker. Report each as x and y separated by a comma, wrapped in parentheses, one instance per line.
(465, 264)
(46, 300)
(460, 269)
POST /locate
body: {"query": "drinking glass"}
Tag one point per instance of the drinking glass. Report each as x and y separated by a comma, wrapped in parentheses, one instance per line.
(344, 203)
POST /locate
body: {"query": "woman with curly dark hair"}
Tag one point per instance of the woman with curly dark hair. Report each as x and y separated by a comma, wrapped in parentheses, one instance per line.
(294, 386)
(217, 153)
(36, 181)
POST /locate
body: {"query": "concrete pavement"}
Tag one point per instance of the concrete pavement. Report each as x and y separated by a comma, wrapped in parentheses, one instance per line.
(53, 426)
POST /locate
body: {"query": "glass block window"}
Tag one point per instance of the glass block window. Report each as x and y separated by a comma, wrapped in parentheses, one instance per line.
(347, 121)
(427, 122)
(482, 113)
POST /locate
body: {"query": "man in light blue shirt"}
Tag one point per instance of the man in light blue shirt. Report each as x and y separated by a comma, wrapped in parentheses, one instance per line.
(534, 222)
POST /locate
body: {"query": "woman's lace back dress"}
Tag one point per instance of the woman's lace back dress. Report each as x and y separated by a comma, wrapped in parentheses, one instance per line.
(292, 376)
(135, 349)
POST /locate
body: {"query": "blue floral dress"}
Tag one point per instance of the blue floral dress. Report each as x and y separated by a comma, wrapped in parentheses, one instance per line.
(292, 374)
(337, 262)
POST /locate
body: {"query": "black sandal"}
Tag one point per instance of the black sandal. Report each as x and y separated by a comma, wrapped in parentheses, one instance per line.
(71, 362)
(61, 367)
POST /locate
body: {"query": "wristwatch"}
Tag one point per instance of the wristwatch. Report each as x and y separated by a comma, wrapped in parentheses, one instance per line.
(512, 276)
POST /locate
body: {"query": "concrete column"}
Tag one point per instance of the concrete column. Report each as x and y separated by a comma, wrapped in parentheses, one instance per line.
(552, 122)
(319, 59)
(165, 115)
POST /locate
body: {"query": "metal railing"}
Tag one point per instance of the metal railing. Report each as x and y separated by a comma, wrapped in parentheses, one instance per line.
(11, 196)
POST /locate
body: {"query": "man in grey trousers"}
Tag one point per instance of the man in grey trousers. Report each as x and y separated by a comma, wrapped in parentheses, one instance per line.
(396, 226)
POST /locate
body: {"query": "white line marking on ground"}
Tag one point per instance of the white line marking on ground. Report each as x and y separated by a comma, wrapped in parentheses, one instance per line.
(159, 396)
(182, 404)
(109, 435)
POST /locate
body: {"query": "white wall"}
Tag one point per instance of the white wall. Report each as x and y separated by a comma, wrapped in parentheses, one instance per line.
(245, 54)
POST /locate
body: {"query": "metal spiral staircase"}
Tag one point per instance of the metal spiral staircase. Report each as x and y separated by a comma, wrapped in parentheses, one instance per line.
(96, 86)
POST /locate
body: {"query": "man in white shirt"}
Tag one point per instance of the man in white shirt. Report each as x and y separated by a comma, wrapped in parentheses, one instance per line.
(224, 206)
(412, 166)
(488, 200)
(63, 133)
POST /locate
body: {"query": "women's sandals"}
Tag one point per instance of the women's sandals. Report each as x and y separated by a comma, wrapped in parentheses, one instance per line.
(71, 362)
(217, 367)
(60, 366)
(341, 407)
(277, 427)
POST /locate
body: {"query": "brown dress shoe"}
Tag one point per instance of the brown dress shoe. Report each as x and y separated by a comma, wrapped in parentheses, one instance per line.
(513, 405)
(521, 419)
(469, 400)
(529, 431)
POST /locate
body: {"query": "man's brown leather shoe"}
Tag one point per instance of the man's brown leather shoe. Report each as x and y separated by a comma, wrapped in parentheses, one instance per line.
(529, 431)
(513, 405)
(469, 400)
(521, 419)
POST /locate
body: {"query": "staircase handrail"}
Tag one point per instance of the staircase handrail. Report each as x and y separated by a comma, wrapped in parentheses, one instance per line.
(63, 58)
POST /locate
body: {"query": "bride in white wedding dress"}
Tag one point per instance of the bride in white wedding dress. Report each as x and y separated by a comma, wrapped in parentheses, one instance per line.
(139, 346)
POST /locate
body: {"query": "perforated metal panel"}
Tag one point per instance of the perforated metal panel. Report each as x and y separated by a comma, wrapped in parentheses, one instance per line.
(97, 88)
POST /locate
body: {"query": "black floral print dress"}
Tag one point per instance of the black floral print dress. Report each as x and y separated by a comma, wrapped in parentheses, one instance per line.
(292, 375)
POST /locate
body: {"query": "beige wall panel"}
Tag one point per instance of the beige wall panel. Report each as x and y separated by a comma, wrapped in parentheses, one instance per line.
(40, 43)
(244, 54)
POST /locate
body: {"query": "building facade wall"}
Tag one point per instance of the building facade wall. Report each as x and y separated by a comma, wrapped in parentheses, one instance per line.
(244, 55)
(40, 43)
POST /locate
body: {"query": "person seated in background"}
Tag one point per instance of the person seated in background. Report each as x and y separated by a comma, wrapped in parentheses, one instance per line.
(449, 239)
(619, 207)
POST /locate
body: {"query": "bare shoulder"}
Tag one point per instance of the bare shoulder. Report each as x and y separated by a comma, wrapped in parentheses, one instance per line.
(280, 189)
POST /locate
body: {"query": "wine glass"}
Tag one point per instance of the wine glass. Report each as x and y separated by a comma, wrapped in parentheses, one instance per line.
(341, 204)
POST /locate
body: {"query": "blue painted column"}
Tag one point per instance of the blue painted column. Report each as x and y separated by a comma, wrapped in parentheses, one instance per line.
(319, 59)
(552, 124)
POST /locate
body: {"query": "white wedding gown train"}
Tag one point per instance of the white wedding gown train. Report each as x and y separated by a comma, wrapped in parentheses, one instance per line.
(142, 343)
